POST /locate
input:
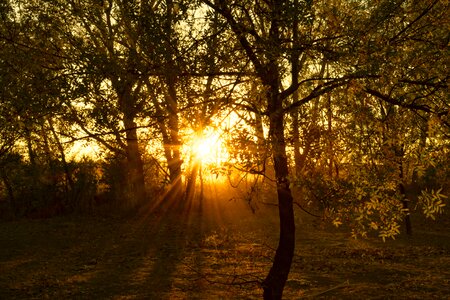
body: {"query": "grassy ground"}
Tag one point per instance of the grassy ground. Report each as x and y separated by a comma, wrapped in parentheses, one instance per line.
(221, 252)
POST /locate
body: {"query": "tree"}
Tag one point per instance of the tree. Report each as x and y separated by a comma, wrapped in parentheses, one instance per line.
(264, 31)
(406, 46)
(9, 132)
(31, 98)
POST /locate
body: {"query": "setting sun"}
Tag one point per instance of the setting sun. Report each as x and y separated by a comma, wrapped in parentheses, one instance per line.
(204, 148)
(208, 148)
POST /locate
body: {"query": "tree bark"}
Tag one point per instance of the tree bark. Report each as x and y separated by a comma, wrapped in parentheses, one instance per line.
(408, 224)
(261, 143)
(135, 167)
(400, 153)
(296, 142)
(275, 281)
(29, 141)
(135, 180)
(174, 160)
(191, 184)
(330, 140)
(169, 129)
(69, 180)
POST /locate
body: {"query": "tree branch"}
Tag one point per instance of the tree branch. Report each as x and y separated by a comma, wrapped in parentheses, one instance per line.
(240, 33)
(316, 92)
(427, 9)
(391, 100)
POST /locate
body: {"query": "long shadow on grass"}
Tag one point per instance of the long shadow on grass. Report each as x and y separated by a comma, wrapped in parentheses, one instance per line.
(152, 256)
(146, 260)
(180, 230)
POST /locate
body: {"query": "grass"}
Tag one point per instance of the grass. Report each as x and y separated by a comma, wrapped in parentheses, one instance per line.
(220, 252)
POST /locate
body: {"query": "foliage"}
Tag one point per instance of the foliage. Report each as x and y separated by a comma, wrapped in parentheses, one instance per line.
(358, 202)
(85, 187)
(432, 202)
(113, 178)
(44, 190)
(367, 200)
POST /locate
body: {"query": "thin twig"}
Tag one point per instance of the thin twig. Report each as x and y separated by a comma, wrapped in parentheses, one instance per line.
(309, 213)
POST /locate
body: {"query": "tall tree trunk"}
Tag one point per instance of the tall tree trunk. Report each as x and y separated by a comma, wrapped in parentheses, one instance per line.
(423, 127)
(46, 147)
(176, 182)
(296, 141)
(68, 201)
(135, 181)
(269, 73)
(330, 140)
(191, 182)
(400, 152)
(296, 64)
(135, 167)
(171, 139)
(261, 152)
(174, 161)
(29, 141)
(202, 195)
(172, 155)
(408, 224)
(69, 181)
(275, 281)
(9, 190)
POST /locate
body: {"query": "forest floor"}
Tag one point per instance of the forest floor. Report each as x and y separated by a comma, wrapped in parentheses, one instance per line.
(220, 252)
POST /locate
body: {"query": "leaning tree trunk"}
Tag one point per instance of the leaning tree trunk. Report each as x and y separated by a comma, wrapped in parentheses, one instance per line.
(275, 281)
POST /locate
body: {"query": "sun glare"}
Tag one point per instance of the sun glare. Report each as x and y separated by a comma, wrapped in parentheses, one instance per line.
(203, 147)
(209, 148)
(82, 149)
